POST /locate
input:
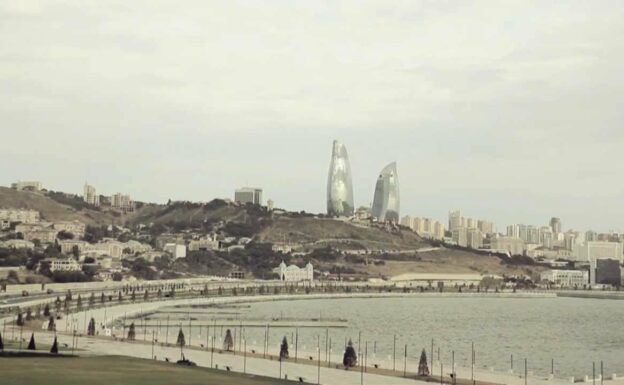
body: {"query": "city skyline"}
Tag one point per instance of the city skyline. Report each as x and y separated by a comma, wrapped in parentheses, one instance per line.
(505, 120)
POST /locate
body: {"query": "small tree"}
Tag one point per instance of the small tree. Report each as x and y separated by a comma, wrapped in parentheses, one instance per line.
(20, 319)
(220, 291)
(79, 303)
(234, 292)
(29, 315)
(92, 300)
(46, 310)
(228, 341)
(350, 358)
(131, 332)
(91, 327)
(146, 295)
(423, 368)
(102, 298)
(133, 296)
(181, 340)
(51, 324)
(31, 344)
(119, 297)
(54, 349)
(159, 294)
(57, 304)
(284, 349)
(1, 343)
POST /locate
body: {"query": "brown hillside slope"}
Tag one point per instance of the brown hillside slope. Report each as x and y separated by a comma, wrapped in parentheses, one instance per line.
(52, 210)
(187, 213)
(319, 232)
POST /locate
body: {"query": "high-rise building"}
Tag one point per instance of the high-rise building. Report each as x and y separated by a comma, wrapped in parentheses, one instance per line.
(90, 195)
(474, 238)
(339, 186)
(454, 220)
(386, 203)
(555, 225)
(591, 236)
(246, 195)
(122, 202)
(546, 237)
(486, 227)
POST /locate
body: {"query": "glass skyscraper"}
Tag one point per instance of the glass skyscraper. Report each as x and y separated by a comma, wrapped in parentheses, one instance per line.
(339, 186)
(386, 202)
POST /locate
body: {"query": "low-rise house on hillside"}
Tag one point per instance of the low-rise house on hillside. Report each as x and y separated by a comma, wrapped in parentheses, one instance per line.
(76, 228)
(17, 244)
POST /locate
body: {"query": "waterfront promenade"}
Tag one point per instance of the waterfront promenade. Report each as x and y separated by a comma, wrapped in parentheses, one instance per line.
(252, 363)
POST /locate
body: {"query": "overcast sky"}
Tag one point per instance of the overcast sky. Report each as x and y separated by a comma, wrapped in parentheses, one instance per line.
(509, 110)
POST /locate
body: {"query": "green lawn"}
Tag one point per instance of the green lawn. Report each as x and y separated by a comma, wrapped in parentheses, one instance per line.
(118, 370)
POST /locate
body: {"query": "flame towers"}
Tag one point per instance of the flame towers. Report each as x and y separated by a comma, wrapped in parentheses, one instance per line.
(386, 201)
(339, 186)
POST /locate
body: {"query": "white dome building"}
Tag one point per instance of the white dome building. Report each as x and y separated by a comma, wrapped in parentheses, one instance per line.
(294, 273)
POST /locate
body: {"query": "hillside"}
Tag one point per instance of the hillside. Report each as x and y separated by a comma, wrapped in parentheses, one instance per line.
(304, 232)
(53, 210)
(189, 214)
(321, 232)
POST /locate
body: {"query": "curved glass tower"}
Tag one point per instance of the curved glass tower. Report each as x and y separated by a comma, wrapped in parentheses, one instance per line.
(386, 202)
(339, 187)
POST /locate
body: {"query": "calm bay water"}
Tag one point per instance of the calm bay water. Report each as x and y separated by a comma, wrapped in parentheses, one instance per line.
(573, 332)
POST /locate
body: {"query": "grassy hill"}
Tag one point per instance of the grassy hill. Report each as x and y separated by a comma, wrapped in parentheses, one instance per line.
(342, 235)
(54, 210)
(310, 232)
(189, 214)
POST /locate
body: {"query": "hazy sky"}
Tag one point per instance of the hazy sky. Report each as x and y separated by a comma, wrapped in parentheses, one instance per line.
(509, 110)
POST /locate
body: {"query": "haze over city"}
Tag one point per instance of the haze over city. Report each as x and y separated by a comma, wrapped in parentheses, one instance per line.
(508, 112)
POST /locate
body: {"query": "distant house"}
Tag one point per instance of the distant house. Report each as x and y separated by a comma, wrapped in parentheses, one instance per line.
(76, 228)
(293, 273)
(18, 244)
(63, 264)
(178, 251)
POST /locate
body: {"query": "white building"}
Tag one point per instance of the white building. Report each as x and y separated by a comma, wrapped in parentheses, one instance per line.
(63, 264)
(178, 251)
(122, 202)
(590, 251)
(77, 228)
(19, 215)
(425, 227)
(248, 195)
(90, 195)
(205, 243)
(27, 186)
(474, 238)
(18, 244)
(513, 245)
(294, 273)
(566, 278)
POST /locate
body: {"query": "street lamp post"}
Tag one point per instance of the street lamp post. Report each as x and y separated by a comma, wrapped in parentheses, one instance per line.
(394, 353)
